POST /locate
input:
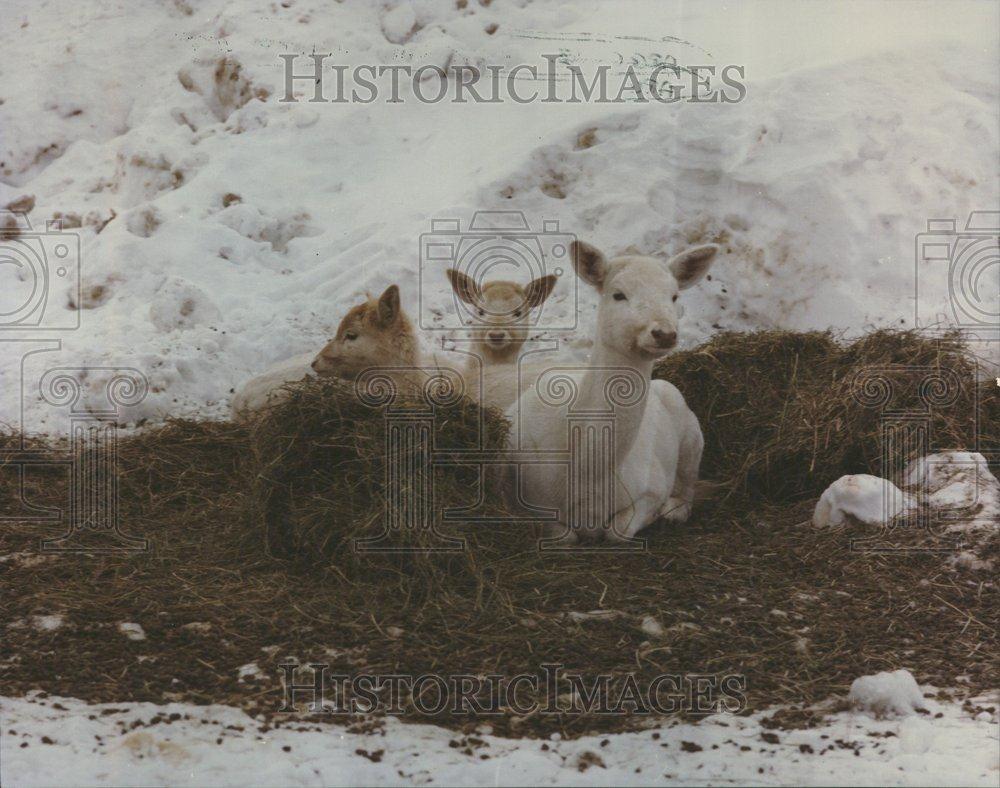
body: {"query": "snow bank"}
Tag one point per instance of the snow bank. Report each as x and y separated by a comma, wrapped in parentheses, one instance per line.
(869, 499)
(223, 231)
(61, 741)
(885, 694)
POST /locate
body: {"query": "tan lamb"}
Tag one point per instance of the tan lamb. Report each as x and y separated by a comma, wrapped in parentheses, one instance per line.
(502, 311)
(376, 333)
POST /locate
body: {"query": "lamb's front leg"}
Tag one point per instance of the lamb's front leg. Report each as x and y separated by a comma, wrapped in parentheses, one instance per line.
(625, 524)
(677, 508)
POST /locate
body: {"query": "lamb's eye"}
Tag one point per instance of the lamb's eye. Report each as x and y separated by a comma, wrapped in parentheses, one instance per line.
(674, 298)
(481, 312)
(517, 313)
(620, 296)
(350, 336)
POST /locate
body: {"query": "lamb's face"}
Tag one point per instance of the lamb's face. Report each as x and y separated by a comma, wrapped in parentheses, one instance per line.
(638, 314)
(501, 310)
(503, 316)
(354, 348)
(373, 334)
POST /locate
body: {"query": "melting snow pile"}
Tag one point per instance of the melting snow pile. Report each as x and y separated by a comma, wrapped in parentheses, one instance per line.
(864, 497)
(959, 483)
(958, 489)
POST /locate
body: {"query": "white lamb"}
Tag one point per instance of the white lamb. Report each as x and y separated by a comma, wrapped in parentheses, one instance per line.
(657, 438)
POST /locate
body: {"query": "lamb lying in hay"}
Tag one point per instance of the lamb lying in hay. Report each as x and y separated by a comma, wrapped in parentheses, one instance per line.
(783, 414)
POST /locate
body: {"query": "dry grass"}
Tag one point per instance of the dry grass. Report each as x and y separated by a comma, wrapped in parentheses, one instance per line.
(782, 411)
(251, 535)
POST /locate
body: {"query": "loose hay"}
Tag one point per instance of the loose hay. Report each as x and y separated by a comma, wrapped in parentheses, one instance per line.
(318, 474)
(785, 414)
(744, 588)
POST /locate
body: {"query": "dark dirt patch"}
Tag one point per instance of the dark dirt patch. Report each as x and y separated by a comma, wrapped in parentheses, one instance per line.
(220, 589)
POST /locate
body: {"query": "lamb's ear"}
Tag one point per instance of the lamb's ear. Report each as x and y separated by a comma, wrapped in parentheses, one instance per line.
(538, 290)
(692, 264)
(464, 287)
(388, 306)
(590, 264)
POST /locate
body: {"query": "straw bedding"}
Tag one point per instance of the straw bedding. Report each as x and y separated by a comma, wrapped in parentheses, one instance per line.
(252, 555)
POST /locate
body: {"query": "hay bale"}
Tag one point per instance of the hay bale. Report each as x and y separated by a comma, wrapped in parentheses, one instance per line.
(784, 414)
(318, 477)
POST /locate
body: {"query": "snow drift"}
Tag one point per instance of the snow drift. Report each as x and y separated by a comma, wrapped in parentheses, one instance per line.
(223, 230)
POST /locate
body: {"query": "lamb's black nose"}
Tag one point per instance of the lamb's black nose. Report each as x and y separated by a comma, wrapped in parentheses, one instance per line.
(664, 339)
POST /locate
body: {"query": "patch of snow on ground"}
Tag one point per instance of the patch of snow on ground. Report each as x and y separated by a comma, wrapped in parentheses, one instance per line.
(960, 487)
(652, 627)
(957, 488)
(47, 623)
(131, 630)
(250, 671)
(81, 744)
